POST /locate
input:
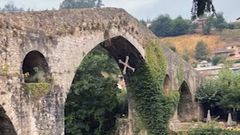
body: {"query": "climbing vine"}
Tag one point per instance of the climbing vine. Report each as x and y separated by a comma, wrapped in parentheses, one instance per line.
(146, 83)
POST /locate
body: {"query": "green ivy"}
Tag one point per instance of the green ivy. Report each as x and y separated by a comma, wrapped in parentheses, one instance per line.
(154, 109)
(36, 90)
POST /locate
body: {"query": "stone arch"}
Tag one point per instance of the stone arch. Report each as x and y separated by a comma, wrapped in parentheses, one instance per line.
(119, 47)
(185, 107)
(6, 126)
(32, 60)
(167, 85)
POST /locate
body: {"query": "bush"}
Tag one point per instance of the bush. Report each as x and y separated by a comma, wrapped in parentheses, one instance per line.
(216, 60)
(211, 129)
(205, 131)
(201, 51)
(219, 22)
(173, 48)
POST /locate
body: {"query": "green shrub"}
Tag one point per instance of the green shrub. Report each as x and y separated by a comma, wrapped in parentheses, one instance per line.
(201, 51)
(205, 131)
(211, 129)
(173, 48)
(237, 61)
(216, 60)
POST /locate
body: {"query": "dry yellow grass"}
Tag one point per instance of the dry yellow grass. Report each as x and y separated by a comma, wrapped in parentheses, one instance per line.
(187, 43)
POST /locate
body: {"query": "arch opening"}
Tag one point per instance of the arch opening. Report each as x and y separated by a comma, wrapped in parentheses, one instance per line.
(35, 68)
(99, 84)
(6, 126)
(185, 107)
(167, 85)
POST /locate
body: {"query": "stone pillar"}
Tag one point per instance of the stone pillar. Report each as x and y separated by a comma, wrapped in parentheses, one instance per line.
(229, 120)
(131, 113)
(21, 108)
(200, 112)
(123, 126)
(174, 119)
(208, 116)
(48, 113)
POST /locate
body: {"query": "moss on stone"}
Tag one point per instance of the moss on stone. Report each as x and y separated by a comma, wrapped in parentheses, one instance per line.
(36, 90)
(4, 69)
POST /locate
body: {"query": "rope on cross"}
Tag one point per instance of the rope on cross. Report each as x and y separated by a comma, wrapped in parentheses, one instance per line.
(126, 65)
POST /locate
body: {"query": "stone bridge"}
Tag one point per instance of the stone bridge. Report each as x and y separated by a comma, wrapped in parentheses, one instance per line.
(58, 41)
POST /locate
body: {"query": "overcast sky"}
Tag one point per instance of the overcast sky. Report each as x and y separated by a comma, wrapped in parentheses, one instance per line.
(143, 9)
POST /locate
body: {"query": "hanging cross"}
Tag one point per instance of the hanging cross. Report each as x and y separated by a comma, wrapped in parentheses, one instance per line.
(125, 64)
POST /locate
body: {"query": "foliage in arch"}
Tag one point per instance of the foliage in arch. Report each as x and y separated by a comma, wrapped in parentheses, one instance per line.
(94, 102)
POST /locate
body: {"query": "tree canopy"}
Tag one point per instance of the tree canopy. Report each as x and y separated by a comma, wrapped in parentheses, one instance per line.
(69, 4)
(10, 7)
(165, 26)
(223, 92)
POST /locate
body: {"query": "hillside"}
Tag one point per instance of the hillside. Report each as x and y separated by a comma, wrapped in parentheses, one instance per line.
(186, 44)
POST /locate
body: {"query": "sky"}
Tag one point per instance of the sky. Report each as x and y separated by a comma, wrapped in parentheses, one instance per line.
(143, 9)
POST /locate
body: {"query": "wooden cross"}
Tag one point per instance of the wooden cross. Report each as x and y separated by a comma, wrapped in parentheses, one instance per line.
(125, 64)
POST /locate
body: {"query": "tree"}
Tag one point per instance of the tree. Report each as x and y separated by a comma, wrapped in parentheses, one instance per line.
(94, 101)
(180, 26)
(230, 86)
(165, 26)
(209, 93)
(217, 59)
(192, 28)
(68, 4)
(219, 22)
(10, 7)
(201, 51)
(143, 22)
(222, 92)
(99, 3)
(162, 26)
